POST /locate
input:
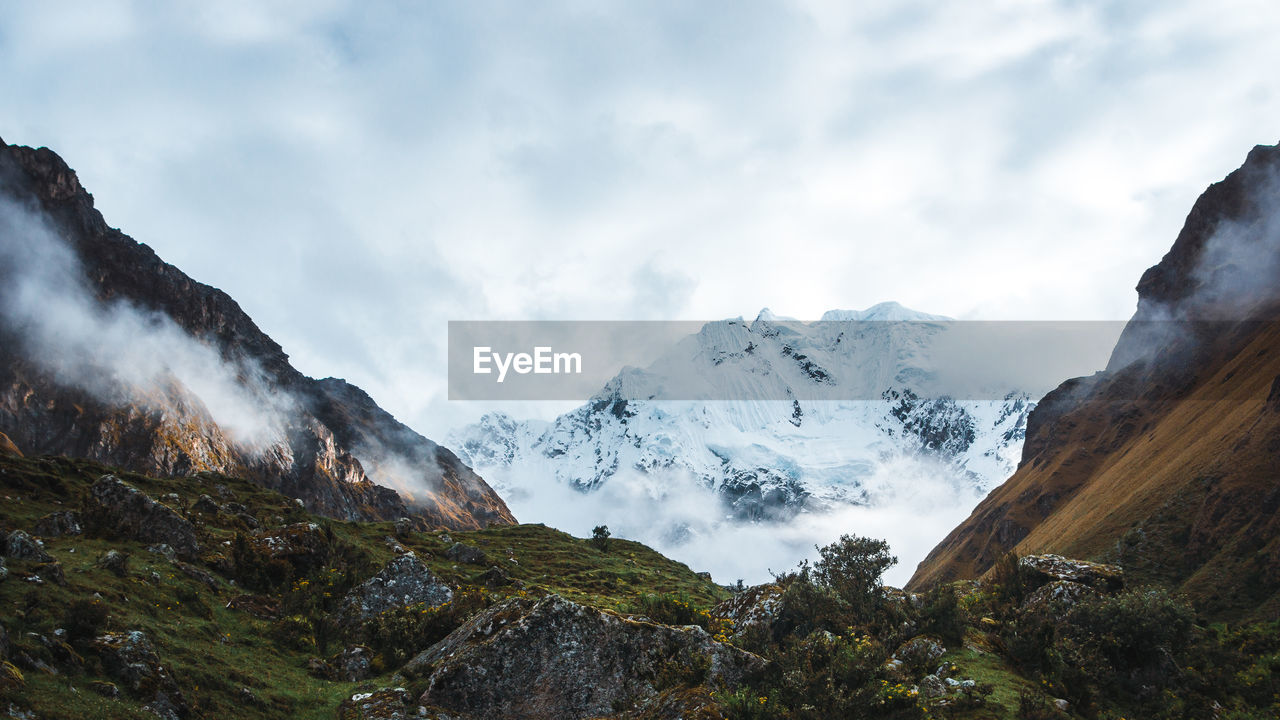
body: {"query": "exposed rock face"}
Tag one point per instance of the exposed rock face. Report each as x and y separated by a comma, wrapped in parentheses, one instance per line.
(329, 443)
(131, 660)
(757, 607)
(1057, 568)
(1165, 462)
(1056, 597)
(7, 447)
(552, 658)
(117, 509)
(303, 545)
(404, 581)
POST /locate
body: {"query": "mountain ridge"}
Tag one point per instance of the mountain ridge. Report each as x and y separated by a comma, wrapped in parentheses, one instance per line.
(89, 406)
(1172, 449)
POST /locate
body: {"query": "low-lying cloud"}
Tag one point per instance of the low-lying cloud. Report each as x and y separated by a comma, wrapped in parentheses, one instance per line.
(117, 352)
(918, 501)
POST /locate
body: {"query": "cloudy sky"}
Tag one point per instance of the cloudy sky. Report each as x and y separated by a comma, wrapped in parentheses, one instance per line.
(356, 174)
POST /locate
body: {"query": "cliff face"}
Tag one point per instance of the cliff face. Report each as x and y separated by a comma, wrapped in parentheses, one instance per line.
(325, 442)
(1167, 461)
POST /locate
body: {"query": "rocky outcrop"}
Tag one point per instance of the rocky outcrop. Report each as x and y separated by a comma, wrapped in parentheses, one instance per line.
(131, 660)
(305, 546)
(405, 581)
(757, 609)
(21, 546)
(1051, 568)
(55, 524)
(328, 442)
(552, 658)
(117, 509)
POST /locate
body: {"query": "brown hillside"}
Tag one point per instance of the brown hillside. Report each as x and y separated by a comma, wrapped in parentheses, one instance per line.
(1169, 461)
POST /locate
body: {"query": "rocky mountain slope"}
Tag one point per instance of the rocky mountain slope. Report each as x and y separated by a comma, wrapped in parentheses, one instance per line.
(107, 352)
(1166, 462)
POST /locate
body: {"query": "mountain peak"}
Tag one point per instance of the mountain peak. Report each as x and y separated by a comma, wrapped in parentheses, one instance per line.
(888, 311)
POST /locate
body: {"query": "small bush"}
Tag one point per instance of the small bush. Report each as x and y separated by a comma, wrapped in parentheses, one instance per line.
(941, 615)
(84, 619)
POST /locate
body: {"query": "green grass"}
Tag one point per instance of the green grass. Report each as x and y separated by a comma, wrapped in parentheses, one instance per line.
(213, 651)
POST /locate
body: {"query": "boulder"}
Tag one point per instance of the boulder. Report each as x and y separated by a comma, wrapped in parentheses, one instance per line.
(552, 658)
(759, 606)
(115, 562)
(205, 505)
(19, 545)
(55, 524)
(130, 659)
(494, 578)
(1099, 576)
(922, 651)
(115, 508)
(932, 687)
(403, 582)
(353, 664)
(465, 554)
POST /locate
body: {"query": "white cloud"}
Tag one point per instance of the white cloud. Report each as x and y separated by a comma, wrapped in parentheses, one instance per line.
(357, 174)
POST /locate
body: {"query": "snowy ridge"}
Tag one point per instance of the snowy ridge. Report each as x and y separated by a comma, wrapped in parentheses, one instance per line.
(782, 449)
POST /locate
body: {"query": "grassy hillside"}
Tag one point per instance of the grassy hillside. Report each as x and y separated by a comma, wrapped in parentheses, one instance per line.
(243, 634)
(214, 651)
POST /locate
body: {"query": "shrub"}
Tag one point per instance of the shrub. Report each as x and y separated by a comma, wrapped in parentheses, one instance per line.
(84, 619)
(852, 568)
(600, 537)
(941, 615)
(398, 634)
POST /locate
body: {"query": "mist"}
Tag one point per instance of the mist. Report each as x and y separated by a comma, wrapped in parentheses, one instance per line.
(918, 500)
(115, 351)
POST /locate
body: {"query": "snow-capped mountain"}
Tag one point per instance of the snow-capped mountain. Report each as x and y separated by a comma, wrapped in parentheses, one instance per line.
(788, 418)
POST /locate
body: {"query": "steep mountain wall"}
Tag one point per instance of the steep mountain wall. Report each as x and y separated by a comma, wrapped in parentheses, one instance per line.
(1167, 462)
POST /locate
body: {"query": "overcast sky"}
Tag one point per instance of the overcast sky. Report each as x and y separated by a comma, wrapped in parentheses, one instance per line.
(356, 174)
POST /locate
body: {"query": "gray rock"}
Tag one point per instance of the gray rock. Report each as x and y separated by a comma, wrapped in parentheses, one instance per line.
(932, 687)
(922, 651)
(403, 582)
(404, 528)
(1055, 567)
(21, 546)
(55, 524)
(206, 505)
(757, 607)
(1057, 597)
(115, 562)
(465, 554)
(130, 659)
(353, 664)
(552, 658)
(163, 550)
(117, 509)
